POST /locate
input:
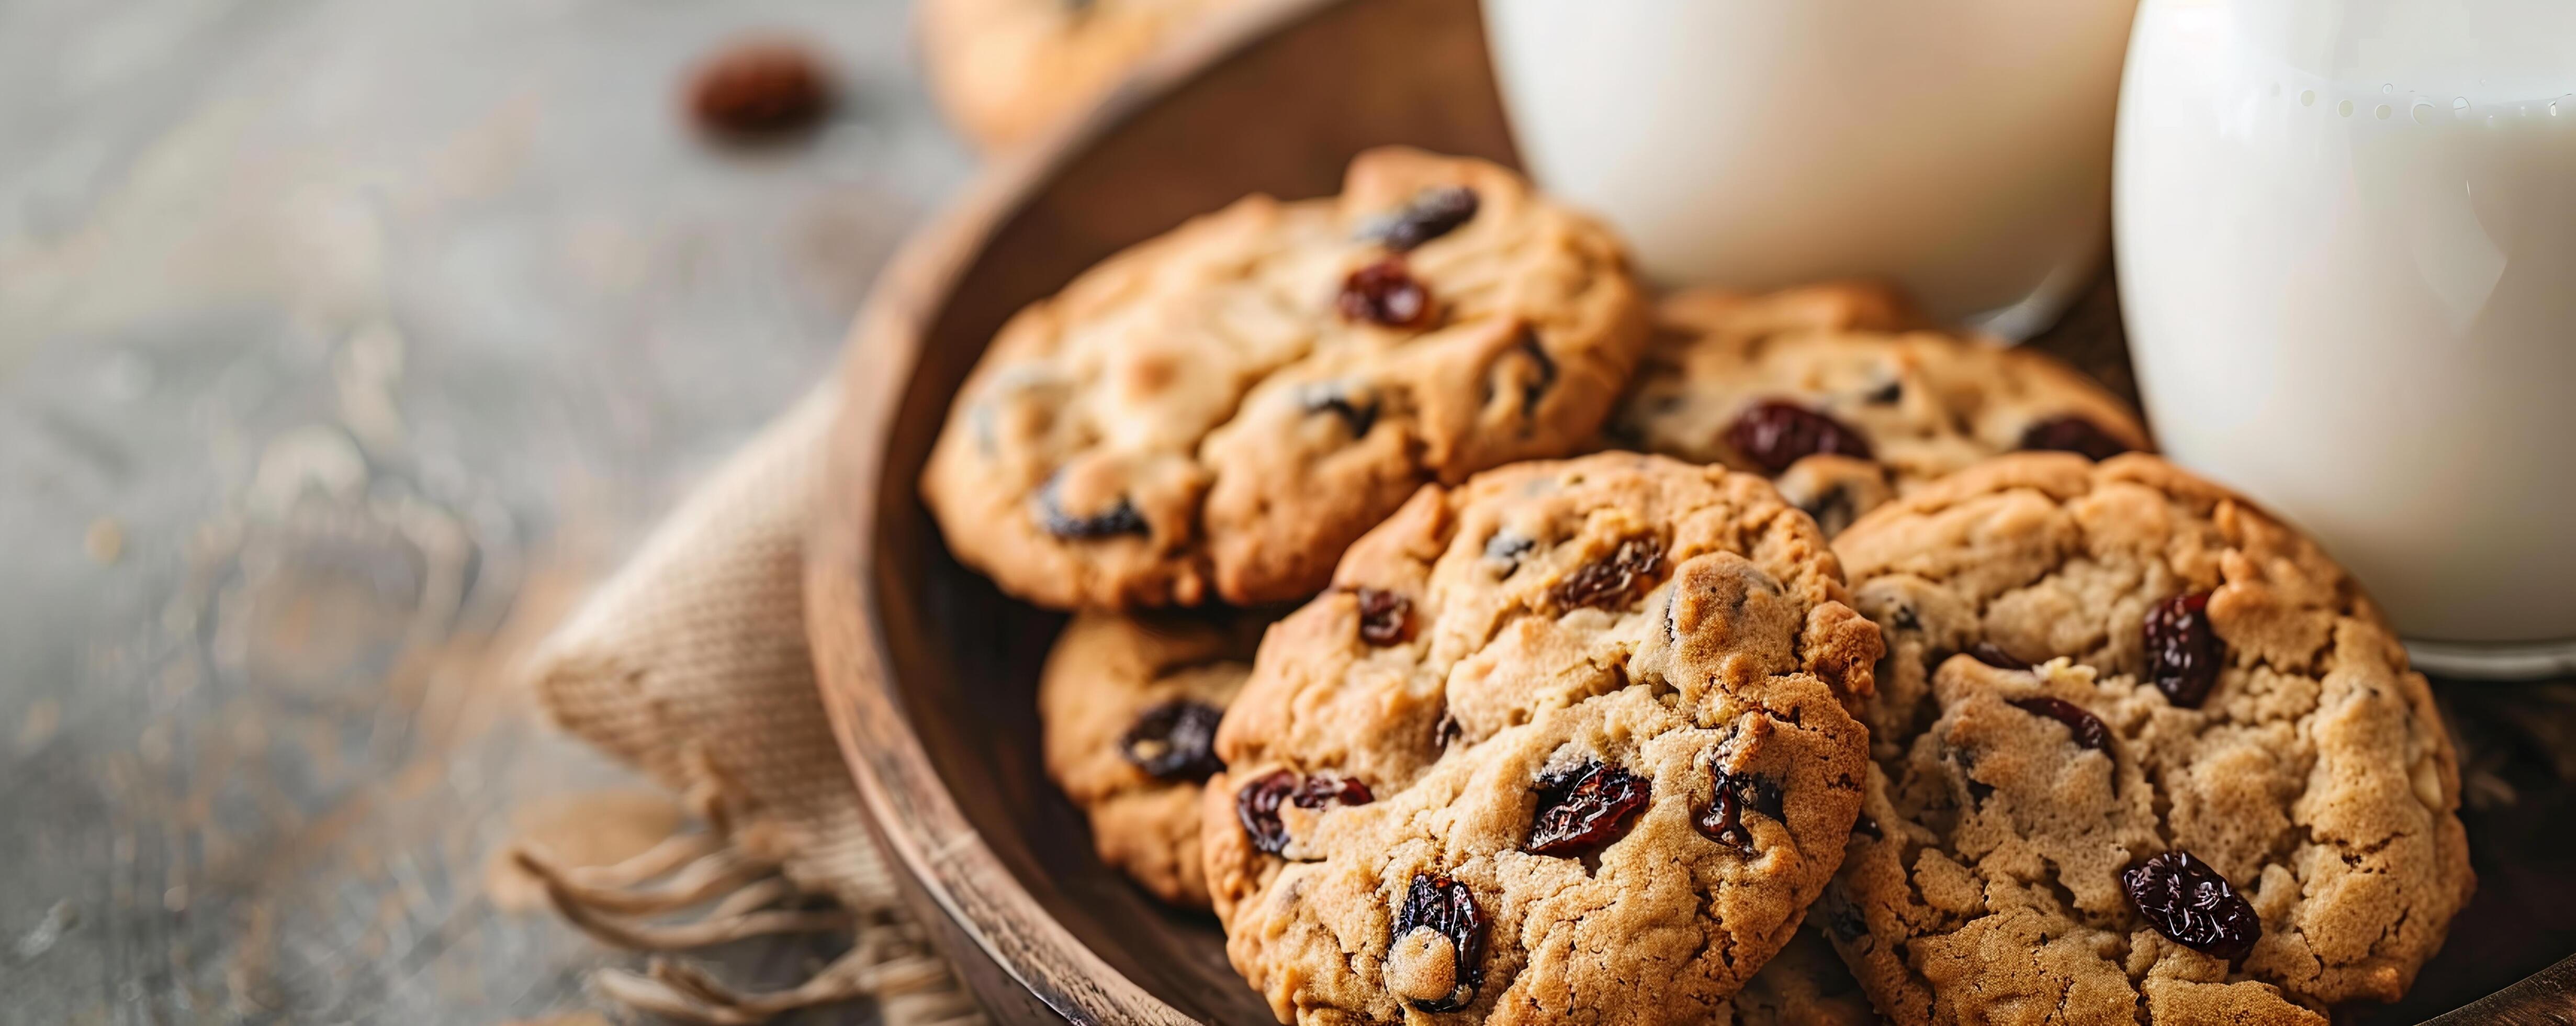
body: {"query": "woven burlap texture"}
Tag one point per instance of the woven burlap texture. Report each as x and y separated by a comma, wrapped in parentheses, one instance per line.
(690, 663)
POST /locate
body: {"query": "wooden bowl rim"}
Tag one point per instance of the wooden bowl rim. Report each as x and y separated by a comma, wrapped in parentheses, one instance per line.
(914, 815)
(912, 812)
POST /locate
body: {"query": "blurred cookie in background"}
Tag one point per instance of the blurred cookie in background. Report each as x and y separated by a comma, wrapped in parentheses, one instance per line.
(1130, 706)
(1004, 70)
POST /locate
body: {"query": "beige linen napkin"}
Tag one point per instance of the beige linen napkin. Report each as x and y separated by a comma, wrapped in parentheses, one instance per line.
(691, 665)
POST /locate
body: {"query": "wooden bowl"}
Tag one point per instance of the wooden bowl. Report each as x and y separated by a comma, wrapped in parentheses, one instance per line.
(929, 673)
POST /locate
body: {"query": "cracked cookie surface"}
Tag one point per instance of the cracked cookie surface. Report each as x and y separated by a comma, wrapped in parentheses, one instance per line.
(1833, 389)
(1129, 707)
(1583, 745)
(1219, 412)
(2092, 669)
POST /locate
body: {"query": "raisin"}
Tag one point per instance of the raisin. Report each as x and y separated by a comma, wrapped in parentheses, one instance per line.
(1118, 519)
(1328, 397)
(2087, 729)
(1886, 394)
(1906, 620)
(1324, 790)
(1174, 741)
(1611, 583)
(1385, 293)
(1775, 433)
(2183, 650)
(1846, 921)
(1256, 805)
(1585, 809)
(1542, 376)
(1867, 826)
(1732, 796)
(1832, 511)
(2073, 434)
(1432, 213)
(1508, 548)
(1448, 908)
(2186, 900)
(1386, 617)
(760, 92)
(1993, 655)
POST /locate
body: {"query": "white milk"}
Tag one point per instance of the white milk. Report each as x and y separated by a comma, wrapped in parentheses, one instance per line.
(2347, 239)
(1961, 148)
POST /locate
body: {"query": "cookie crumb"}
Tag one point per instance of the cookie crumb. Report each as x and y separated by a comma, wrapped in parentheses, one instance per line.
(104, 541)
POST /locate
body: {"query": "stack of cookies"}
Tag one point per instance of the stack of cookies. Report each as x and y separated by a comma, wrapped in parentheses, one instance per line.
(1483, 641)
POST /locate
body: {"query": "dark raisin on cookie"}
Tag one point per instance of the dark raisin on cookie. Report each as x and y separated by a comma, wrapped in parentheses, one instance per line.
(1775, 433)
(1432, 213)
(1386, 617)
(1120, 518)
(1325, 790)
(2087, 729)
(1359, 414)
(1256, 806)
(1732, 796)
(1832, 511)
(1540, 378)
(2189, 902)
(2184, 652)
(1507, 548)
(1845, 919)
(1866, 825)
(1446, 907)
(1385, 293)
(1174, 741)
(1886, 394)
(1993, 655)
(760, 92)
(2073, 434)
(1629, 571)
(1584, 809)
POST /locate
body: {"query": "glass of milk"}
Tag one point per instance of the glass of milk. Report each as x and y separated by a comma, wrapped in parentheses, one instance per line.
(2347, 247)
(1961, 149)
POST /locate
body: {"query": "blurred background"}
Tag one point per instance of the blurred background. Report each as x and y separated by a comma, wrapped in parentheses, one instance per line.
(342, 343)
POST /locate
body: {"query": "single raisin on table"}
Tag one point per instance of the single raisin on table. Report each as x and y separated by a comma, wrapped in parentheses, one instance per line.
(2183, 651)
(1585, 809)
(1256, 804)
(1993, 655)
(1775, 433)
(1385, 293)
(2186, 900)
(1446, 907)
(2073, 434)
(1734, 795)
(1120, 518)
(1386, 617)
(758, 92)
(2087, 729)
(1432, 213)
(1610, 583)
(1174, 741)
